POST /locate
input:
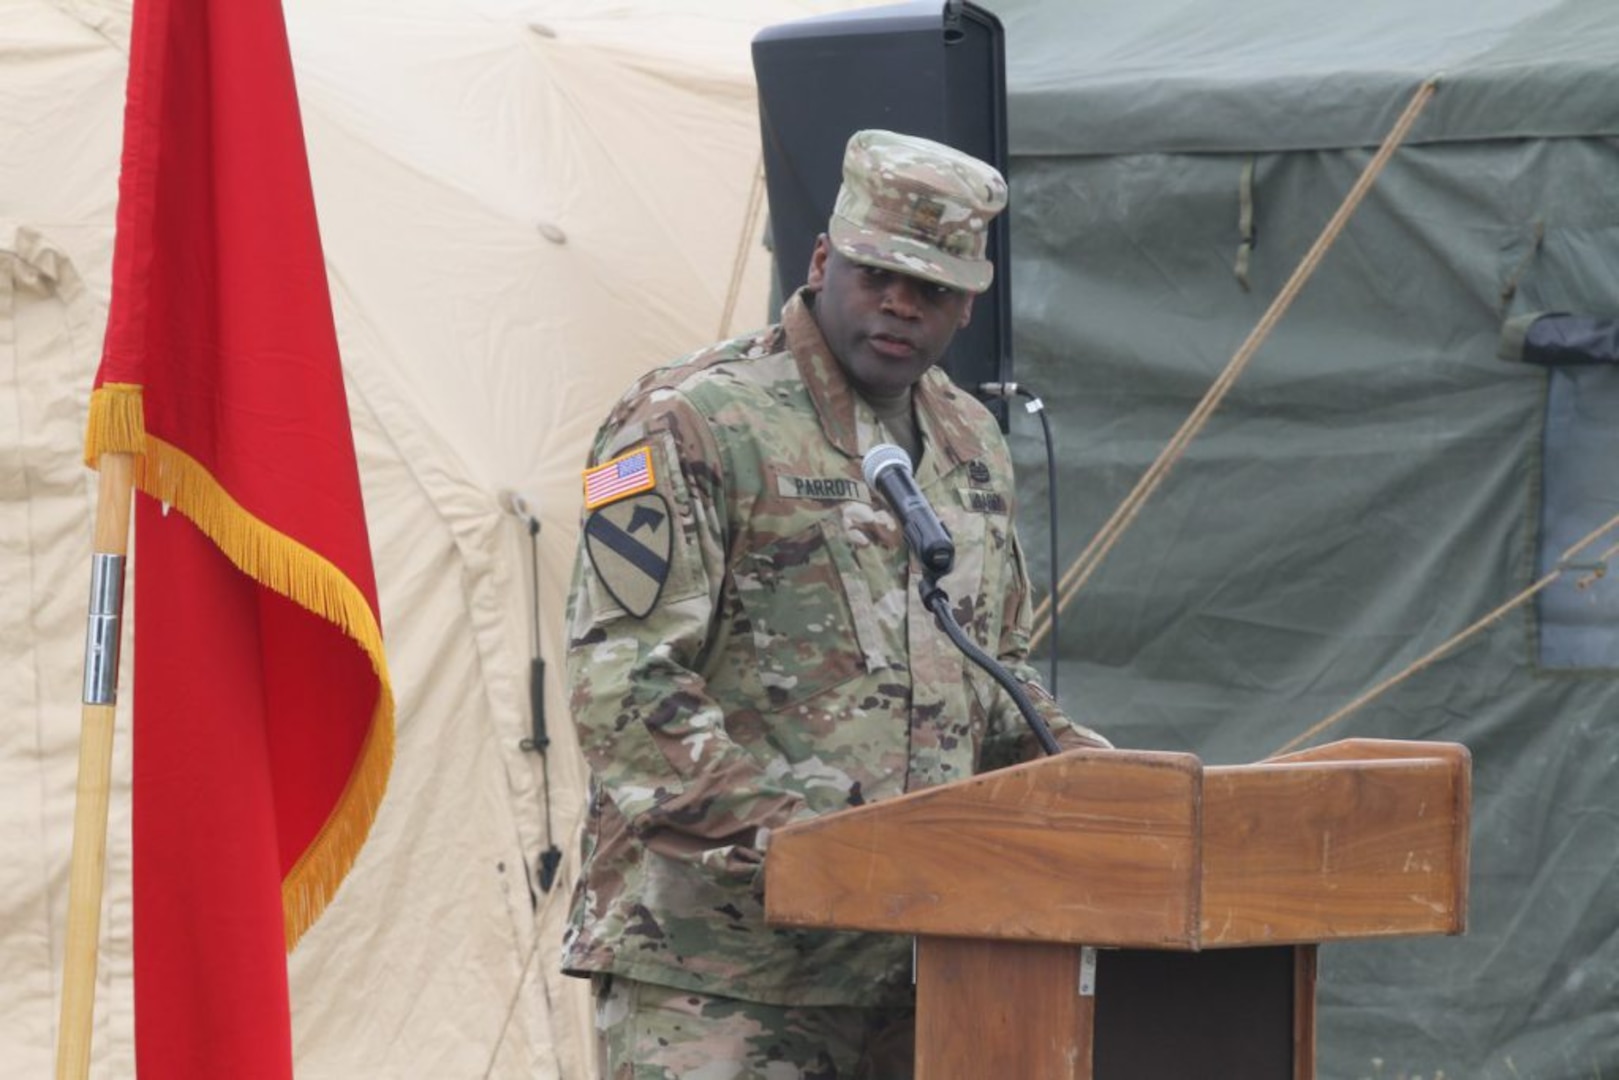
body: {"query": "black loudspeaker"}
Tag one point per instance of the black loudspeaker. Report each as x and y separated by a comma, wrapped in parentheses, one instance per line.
(937, 70)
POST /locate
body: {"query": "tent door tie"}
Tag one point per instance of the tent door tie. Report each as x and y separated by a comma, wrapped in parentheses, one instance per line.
(1245, 222)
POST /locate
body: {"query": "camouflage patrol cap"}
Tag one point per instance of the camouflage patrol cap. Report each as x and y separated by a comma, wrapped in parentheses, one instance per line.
(917, 207)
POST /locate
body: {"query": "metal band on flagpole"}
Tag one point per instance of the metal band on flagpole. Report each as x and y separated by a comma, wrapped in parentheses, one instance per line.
(102, 629)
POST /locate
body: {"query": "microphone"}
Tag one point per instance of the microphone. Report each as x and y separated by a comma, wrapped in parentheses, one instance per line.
(888, 469)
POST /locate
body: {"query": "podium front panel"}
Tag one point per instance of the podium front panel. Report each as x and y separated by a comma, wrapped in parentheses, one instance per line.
(1228, 1014)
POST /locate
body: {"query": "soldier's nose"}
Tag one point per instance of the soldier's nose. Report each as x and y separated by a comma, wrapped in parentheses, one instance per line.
(902, 297)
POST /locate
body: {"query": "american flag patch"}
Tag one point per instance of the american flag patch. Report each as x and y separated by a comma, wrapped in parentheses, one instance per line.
(617, 478)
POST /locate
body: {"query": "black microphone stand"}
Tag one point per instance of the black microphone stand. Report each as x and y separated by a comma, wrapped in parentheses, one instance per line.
(937, 601)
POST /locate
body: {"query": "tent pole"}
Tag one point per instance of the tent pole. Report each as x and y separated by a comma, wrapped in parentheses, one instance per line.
(111, 545)
(739, 261)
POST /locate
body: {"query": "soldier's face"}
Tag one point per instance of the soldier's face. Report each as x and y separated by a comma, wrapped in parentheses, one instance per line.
(886, 329)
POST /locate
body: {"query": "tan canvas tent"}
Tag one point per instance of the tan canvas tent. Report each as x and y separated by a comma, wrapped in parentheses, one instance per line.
(524, 204)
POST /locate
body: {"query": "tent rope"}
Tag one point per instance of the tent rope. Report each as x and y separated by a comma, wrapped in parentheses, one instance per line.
(739, 261)
(1102, 543)
(1562, 566)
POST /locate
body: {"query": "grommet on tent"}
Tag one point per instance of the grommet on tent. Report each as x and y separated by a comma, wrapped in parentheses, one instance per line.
(542, 30)
(552, 232)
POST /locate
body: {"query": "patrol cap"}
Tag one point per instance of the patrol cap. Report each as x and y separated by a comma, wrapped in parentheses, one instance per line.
(917, 207)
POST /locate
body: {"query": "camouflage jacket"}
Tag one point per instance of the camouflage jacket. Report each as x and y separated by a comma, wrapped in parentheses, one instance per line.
(785, 666)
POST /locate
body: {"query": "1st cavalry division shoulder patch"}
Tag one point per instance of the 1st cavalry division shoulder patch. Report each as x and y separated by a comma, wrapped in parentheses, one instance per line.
(629, 543)
(629, 535)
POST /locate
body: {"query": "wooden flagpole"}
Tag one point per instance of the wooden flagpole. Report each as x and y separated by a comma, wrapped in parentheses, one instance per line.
(111, 545)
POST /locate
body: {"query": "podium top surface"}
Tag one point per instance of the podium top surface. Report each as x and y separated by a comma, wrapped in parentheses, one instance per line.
(1356, 839)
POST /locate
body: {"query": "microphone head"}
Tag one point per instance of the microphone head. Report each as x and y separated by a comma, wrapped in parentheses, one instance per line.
(883, 456)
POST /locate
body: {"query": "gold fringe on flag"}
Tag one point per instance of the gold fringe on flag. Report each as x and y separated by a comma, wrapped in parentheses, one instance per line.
(280, 563)
(117, 422)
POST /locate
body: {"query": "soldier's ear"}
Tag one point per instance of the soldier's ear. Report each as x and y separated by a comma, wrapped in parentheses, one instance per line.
(966, 313)
(817, 266)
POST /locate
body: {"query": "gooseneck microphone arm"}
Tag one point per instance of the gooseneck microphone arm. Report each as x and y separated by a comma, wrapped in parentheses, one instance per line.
(888, 470)
(936, 601)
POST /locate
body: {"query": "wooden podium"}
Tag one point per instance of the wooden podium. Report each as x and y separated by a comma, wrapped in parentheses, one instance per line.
(1126, 915)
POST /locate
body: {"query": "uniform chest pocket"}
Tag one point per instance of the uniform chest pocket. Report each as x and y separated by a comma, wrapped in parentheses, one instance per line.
(796, 594)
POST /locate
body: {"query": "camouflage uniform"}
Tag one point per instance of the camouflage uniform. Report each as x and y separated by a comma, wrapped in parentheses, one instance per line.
(651, 1031)
(747, 648)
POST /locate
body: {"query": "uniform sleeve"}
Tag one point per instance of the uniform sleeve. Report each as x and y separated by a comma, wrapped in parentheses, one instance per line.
(654, 737)
(1009, 739)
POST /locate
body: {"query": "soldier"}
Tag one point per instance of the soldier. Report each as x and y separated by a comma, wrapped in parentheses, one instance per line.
(748, 649)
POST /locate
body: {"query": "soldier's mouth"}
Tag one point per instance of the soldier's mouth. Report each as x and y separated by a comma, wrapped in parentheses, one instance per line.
(892, 346)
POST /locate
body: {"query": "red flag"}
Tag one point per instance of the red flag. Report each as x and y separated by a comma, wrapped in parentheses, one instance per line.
(263, 714)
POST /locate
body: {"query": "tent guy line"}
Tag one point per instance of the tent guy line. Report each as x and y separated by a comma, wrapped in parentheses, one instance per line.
(1085, 565)
(1596, 569)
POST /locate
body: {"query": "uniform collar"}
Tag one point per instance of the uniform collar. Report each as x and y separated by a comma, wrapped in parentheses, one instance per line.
(947, 432)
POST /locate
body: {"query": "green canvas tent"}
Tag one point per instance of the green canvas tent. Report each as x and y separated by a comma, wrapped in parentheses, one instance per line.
(1379, 478)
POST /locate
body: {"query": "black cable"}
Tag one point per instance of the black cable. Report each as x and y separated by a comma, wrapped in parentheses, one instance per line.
(540, 741)
(935, 600)
(1038, 407)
